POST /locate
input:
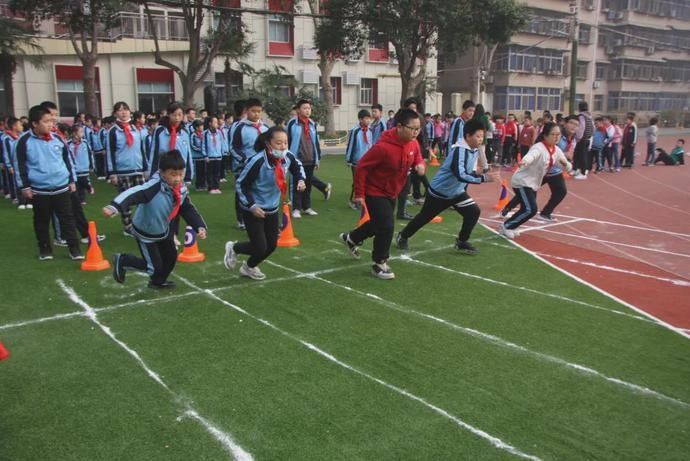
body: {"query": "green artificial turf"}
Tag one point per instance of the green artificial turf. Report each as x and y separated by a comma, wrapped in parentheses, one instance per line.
(334, 364)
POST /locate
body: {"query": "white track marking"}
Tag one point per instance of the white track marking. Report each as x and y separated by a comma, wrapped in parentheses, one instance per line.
(495, 441)
(498, 341)
(533, 228)
(641, 197)
(224, 438)
(660, 182)
(678, 282)
(600, 290)
(68, 315)
(609, 210)
(526, 289)
(629, 226)
(637, 247)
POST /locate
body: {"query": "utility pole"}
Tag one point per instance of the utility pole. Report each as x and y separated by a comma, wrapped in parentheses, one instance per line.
(573, 55)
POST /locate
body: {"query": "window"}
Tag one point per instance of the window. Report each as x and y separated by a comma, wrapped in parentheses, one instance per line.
(280, 29)
(582, 67)
(155, 89)
(584, 34)
(601, 71)
(514, 98)
(598, 102)
(549, 99)
(70, 90)
(532, 60)
(377, 51)
(336, 90)
(236, 86)
(644, 101)
(368, 91)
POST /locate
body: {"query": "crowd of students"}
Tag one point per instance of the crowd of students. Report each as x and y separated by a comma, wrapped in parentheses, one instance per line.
(150, 160)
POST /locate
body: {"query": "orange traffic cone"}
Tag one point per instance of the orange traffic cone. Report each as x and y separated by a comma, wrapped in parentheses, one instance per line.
(434, 158)
(287, 236)
(4, 353)
(437, 219)
(190, 253)
(94, 256)
(503, 198)
(363, 215)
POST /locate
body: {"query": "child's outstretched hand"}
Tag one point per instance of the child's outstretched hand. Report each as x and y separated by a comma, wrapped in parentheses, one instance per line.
(201, 233)
(301, 186)
(108, 213)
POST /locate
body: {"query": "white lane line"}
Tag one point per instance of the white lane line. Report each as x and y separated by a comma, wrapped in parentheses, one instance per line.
(495, 441)
(498, 341)
(526, 289)
(224, 438)
(611, 211)
(629, 226)
(533, 228)
(600, 290)
(627, 245)
(678, 282)
(22, 323)
(641, 197)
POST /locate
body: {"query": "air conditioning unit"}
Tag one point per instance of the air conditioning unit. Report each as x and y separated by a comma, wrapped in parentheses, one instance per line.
(619, 15)
(596, 84)
(619, 42)
(650, 51)
(308, 53)
(590, 7)
(310, 77)
(351, 78)
(353, 60)
(610, 50)
(611, 15)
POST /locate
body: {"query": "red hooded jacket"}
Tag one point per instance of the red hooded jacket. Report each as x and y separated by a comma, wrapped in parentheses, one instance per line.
(383, 170)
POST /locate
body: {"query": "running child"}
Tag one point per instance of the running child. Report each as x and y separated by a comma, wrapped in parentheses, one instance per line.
(159, 202)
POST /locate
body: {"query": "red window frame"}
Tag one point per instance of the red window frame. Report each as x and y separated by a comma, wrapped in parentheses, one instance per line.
(281, 48)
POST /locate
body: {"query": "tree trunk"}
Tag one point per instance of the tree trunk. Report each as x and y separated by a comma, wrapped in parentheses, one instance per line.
(476, 69)
(326, 67)
(7, 69)
(89, 80)
(188, 90)
(227, 80)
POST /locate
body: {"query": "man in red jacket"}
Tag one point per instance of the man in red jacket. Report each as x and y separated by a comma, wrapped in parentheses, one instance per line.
(379, 177)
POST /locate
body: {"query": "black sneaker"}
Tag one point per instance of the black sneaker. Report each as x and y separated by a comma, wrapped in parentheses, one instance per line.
(466, 247)
(167, 285)
(76, 256)
(60, 243)
(118, 270)
(352, 249)
(504, 212)
(401, 242)
(406, 216)
(45, 255)
(327, 191)
(382, 271)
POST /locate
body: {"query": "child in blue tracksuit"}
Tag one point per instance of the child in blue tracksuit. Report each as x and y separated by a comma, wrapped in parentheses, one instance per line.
(448, 189)
(47, 177)
(172, 135)
(260, 187)
(159, 201)
(126, 158)
(92, 130)
(9, 141)
(239, 114)
(359, 142)
(600, 141)
(213, 148)
(196, 141)
(83, 162)
(246, 133)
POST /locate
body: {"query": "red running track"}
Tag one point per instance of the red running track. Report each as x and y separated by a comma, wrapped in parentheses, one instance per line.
(626, 233)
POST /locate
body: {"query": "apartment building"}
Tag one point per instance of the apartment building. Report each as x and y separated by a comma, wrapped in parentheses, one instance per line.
(633, 55)
(126, 69)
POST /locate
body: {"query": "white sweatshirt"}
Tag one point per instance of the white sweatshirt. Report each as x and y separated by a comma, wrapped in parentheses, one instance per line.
(535, 165)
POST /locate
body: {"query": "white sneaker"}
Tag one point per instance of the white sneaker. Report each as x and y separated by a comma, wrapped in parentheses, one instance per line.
(21, 207)
(230, 258)
(310, 212)
(507, 233)
(296, 214)
(580, 177)
(253, 273)
(176, 241)
(328, 191)
(29, 206)
(100, 238)
(382, 271)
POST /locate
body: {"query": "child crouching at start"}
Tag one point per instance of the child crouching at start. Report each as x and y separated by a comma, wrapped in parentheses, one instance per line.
(159, 201)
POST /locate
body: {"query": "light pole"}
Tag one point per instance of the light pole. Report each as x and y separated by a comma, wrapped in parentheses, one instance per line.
(573, 56)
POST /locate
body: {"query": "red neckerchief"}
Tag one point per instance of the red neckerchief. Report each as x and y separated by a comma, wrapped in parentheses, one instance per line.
(47, 137)
(128, 132)
(365, 128)
(257, 125)
(279, 173)
(570, 143)
(138, 125)
(11, 134)
(305, 122)
(551, 150)
(199, 134)
(173, 137)
(177, 196)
